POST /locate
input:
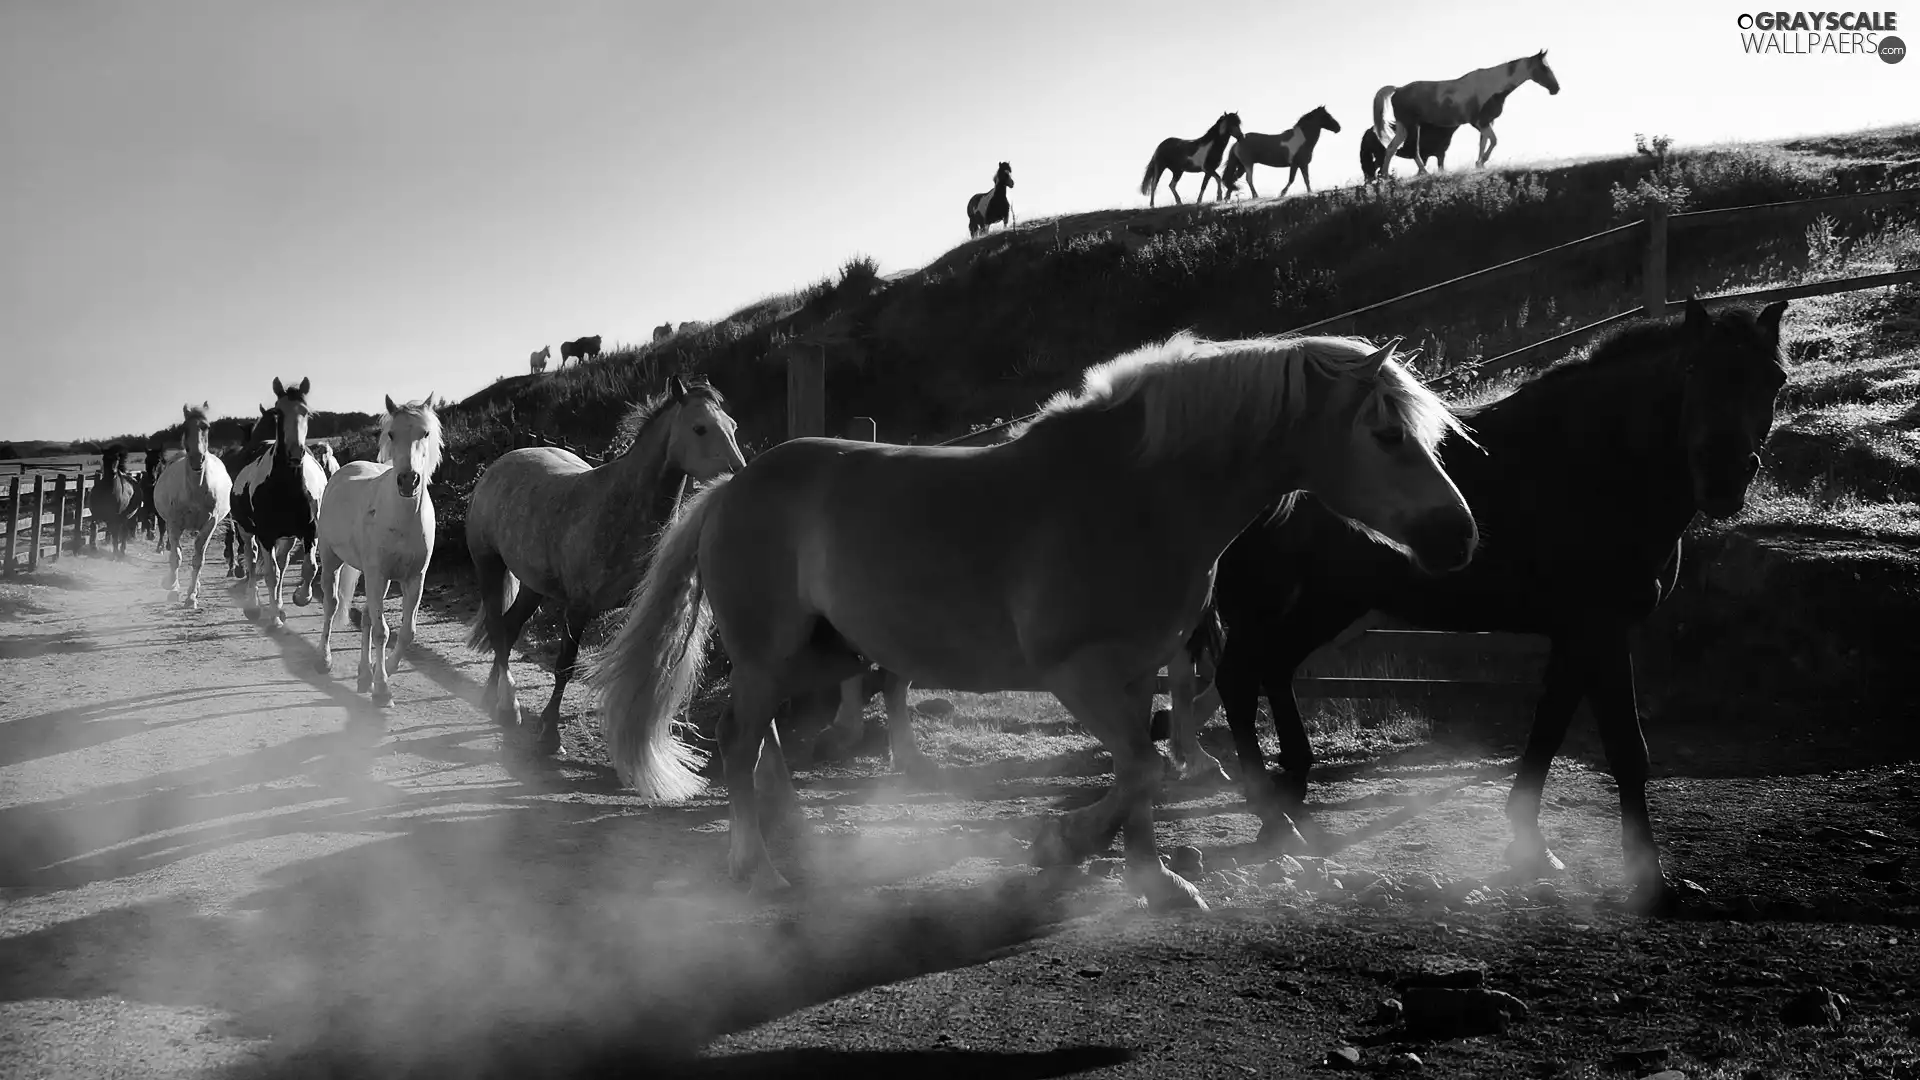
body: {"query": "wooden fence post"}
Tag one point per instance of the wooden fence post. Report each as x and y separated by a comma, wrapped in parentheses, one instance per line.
(59, 516)
(806, 393)
(93, 526)
(33, 530)
(1653, 265)
(13, 523)
(863, 429)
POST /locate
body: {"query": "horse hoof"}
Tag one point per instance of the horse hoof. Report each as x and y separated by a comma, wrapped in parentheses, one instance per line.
(325, 665)
(1533, 860)
(301, 598)
(547, 742)
(1050, 847)
(191, 603)
(364, 683)
(1162, 725)
(507, 714)
(383, 698)
(769, 884)
(1283, 837)
(1168, 891)
(173, 594)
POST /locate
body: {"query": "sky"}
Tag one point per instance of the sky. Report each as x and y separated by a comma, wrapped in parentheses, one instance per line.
(411, 197)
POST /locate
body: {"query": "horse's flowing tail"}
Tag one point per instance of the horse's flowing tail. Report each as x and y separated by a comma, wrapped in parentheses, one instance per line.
(648, 671)
(1150, 179)
(503, 591)
(1380, 131)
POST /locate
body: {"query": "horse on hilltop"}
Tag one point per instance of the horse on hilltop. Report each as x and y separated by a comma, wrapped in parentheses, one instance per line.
(376, 519)
(582, 349)
(276, 498)
(825, 554)
(990, 206)
(1181, 156)
(1477, 98)
(537, 363)
(662, 332)
(1584, 480)
(192, 496)
(1431, 142)
(542, 524)
(1292, 150)
(115, 500)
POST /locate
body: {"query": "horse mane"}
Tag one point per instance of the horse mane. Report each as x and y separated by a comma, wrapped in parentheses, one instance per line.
(647, 410)
(429, 420)
(1208, 397)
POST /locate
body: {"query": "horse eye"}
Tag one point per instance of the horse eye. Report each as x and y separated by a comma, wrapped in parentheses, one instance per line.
(1392, 436)
(699, 429)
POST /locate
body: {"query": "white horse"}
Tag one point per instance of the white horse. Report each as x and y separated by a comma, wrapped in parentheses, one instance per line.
(377, 519)
(191, 496)
(538, 361)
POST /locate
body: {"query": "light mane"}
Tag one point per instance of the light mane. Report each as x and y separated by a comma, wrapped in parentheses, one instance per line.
(1212, 398)
(428, 421)
(647, 410)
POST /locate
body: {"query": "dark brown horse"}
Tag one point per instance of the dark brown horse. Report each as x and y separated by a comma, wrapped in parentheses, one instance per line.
(990, 206)
(1201, 155)
(1583, 482)
(115, 500)
(585, 348)
(1476, 98)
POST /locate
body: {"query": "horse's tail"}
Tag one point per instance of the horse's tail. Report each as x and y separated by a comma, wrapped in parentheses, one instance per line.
(1380, 131)
(504, 591)
(648, 671)
(1150, 180)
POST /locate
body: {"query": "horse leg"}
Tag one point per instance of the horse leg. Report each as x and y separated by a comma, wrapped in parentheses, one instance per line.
(1239, 685)
(410, 591)
(843, 736)
(1306, 180)
(506, 707)
(1251, 190)
(373, 648)
(1616, 708)
(903, 752)
(744, 728)
(1190, 763)
(1393, 147)
(303, 588)
(276, 575)
(1173, 186)
(331, 564)
(548, 739)
(1117, 714)
(200, 541)
(171, 582)
(1565, 686)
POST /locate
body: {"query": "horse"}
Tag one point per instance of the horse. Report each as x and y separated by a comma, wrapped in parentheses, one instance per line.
(1180, 156)
(152, 525)
(323, 456)
(990, 206)
(538, 361)
(585, 348)
(1431, 142)
(541, 525)
(1476, 98)
(241, 557)
(276, 498)
(115, 500)
(1291, 149)
(1584, 480)
(824, 554)
(662, 332)
(376, 519)
(191, 496)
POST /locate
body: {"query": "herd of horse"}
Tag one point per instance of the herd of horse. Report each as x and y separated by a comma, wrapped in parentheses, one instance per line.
(1297, 483)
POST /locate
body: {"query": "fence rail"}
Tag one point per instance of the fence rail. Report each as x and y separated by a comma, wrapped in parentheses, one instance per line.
(37, 521)
(806, 407)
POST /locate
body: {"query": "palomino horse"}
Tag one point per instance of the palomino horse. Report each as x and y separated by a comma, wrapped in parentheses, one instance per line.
(1292, 150)
(825, 553)
(1476, 98)
(376, 519)
(1585, 479)
(152, 526)
(662, 332)
(538, 361)
(990, 206)
(1180, 156)
(1431, 142)
(241, 556)
(585, 348)
(276, 498)
(192, 497)
(541, 524)
(115, 500)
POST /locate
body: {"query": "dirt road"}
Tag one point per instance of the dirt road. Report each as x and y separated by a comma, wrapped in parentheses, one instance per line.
(216, 861)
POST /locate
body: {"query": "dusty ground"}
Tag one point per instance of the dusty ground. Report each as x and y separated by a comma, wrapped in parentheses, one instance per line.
(215, 860)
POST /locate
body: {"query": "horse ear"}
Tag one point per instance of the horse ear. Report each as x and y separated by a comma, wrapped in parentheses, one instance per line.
(263, 409)
(1371, 365)
(391, 407)
(1697, 316)
(1770, 318)
(678, 387)
(305, 384)
(278, 390)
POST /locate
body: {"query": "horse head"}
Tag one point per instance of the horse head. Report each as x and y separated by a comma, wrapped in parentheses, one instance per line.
(702, 439)
(195, 430)
(410, 440)
(291, 403)
(1228, 124)
(1539, 71)
(1004, 175)
(1321, 119)
(1733, 379)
